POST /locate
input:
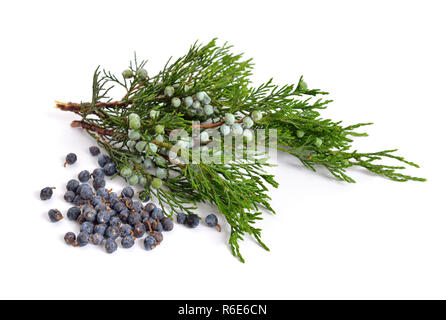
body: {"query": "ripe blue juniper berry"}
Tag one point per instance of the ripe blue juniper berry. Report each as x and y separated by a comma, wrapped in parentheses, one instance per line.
(100, 228)
(84, 176)
(103, 159)
(212, 221)
(192, 220)
(87, 227)
(158, 236)
(157, 213)
(71, 158)
(110, 245)
(73, 213)
(128, 192)
(112, 232)
(181, 218)
(98, 173)
(83, 238)
(98, 183)
(72, 185)
(127, 242)
(125, 230)
(70, 238)
(96, 239)
(149, 243)
(55, 215)
(109, 169)
(167, 224)
(46, 193)
(94, 151)
(139, 230)
(69, 196)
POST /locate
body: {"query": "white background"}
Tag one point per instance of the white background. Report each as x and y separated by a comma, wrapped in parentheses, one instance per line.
(382, 61)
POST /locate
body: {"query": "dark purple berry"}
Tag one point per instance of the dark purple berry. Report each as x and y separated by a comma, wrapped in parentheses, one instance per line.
(87, 227)
(127, 242)
(125, 230)
(112, 232)
(119, 206)
(149, 207)
(157, 226)
(102, 193)
(69, 196)
(158, 237)
(70, 159)
(46, 193)
(103, 217)
(55, 215)
(73, 213)
(98, 173)
(134, 218)
(115, 221)
(86, 193)
(167, 224)
(98, 183)
(84, 176)
(96, 239)
(137, 206)
(103, 160)
(94, 151)
(70, 238)
(157, 213)
(192, 220)
(90, 214)
(100, 229)
(127, 192)
(83, 239)
(181, 218)
(110, 246)
(139, 230)
(109, 169)
(149, 243)
(72, 185)
(211, 220)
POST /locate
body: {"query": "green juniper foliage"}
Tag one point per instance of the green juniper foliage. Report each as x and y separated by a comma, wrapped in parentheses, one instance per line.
(210, 84)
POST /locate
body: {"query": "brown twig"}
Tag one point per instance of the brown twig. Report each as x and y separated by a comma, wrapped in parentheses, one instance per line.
(92, 127)
(77, 107)
(213, 125)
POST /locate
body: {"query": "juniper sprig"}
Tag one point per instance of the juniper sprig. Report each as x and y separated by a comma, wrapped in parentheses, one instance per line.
(212, 85)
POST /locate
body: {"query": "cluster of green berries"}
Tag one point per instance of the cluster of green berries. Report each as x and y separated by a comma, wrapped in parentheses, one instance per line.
(141, 73)
(198, 104)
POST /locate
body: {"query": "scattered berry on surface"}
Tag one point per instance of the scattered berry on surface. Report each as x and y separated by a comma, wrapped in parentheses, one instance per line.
(96, 239)
(70, 159)
(70, 238)
(55, 215)
(192, 220)
(72, 185)
(103, 159)
(84, 176)
(110, 245)
(181, 218)
(46, 193)
(83, 239)
(167, 224)
(158, 237)
(73, 213)
(149, 243)
(127, 242)
(69, 196)
(109, 169)
(87, 227)
(112, 232)
(94, 151)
